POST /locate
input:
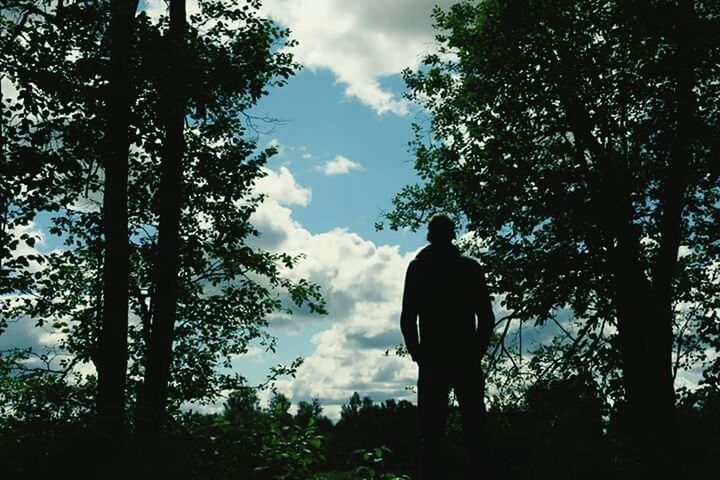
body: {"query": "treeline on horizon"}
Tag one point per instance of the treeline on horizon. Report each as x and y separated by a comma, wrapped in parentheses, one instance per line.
(576, 142)
(560, 430)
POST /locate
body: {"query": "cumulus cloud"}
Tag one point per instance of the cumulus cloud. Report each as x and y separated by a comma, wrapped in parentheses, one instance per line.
(362, 284)
(337, 368)
(339, 166)
(280, 187)
(361, 42)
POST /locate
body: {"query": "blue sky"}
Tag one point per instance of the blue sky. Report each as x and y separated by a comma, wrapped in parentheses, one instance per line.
(319, 123)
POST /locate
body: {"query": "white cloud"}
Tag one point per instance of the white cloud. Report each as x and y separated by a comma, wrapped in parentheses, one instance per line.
(360, 41)
(337, 368)
(339, 165)
(362, 284)
(281, 188)
(157, 8)
(8, 89)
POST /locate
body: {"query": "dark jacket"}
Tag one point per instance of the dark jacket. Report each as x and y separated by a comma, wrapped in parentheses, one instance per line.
(446, 292)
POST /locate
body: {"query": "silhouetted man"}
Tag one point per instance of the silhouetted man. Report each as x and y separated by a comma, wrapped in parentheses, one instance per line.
(447, 292)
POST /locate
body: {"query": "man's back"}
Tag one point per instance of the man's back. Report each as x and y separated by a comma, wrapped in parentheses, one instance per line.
(446, 290)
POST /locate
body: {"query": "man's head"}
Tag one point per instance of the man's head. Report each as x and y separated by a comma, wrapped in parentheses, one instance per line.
(441, 229)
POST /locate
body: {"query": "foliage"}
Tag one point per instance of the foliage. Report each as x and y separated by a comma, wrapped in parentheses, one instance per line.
(530, 100)
(51, 116)
(365, 425)
(559, 135)
(247, 441)
(373, 465)
(228, 289)
(291, 451)
(43, 414)
(558, 431)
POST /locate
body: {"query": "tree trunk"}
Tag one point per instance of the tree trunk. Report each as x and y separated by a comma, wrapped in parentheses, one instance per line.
(645, 310)
(655, 400)
(112, 351)
(152, 402)
(646, 357)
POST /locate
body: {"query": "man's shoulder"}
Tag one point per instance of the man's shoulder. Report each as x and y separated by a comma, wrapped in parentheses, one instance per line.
(414, 265)
(470, 262)
(472, 267)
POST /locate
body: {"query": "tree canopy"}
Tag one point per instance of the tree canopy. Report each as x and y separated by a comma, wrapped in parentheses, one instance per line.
(578, 142)
(56, 59)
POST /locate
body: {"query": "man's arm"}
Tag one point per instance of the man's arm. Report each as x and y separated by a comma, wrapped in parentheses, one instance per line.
(484, 312)
(409, 314)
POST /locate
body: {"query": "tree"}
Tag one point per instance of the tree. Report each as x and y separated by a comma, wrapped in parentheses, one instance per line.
(280, 408)
(308, 411)
(46, 108)
(227, 290)
(578, 141)
(54, 137)
(154, 392)
(112, 347)
(53, 115)
(241, 404)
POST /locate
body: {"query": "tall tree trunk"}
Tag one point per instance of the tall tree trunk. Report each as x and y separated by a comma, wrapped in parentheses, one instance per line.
(645, 333)
(649, 392)
(112, 352)
(642, 323)
(152, 403)
(645, 310)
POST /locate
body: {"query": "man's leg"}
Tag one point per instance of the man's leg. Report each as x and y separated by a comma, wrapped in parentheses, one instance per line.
(470, 391)
(433, 393)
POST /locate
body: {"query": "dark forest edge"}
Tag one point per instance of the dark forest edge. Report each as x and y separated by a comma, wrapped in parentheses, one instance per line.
(560, 430)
